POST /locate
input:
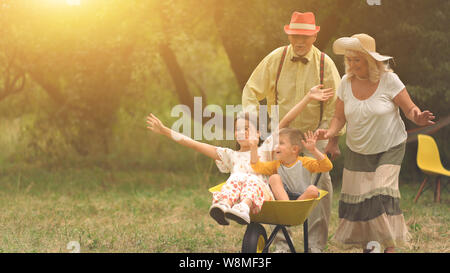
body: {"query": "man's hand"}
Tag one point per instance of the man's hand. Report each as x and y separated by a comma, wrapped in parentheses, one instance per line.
(332, 148)
(322, 134)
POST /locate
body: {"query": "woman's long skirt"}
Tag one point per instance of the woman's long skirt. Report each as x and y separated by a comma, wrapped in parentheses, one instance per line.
(369, 205)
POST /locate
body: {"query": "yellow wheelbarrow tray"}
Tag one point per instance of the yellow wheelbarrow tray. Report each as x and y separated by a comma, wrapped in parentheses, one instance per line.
(281, 214)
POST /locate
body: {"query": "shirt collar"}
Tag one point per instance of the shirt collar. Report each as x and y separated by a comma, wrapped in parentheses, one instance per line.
(308, 55)
(292, 164)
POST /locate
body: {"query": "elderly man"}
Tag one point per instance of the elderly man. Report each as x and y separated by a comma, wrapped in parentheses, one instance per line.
(283, 78)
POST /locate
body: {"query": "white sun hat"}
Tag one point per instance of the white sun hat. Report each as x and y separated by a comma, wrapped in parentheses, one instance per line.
(358, 42)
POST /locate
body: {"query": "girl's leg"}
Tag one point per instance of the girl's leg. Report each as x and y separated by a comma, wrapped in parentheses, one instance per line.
(251, 197)
(229, 192)
(224, 200)
(253, 194)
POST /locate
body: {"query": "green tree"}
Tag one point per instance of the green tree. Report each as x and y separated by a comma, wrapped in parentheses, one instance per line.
(81, 62)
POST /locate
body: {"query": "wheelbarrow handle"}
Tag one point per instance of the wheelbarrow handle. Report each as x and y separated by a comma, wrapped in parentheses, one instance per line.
(317, 179)
(320, 174)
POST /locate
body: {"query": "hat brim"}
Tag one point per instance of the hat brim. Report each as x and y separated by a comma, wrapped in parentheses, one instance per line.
(307, 32)
(349, 43)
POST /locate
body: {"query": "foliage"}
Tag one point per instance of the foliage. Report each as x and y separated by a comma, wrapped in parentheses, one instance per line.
(92, 72)
(80, 62)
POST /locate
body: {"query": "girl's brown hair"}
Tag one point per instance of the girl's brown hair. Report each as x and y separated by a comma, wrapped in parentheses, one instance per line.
(251, 119)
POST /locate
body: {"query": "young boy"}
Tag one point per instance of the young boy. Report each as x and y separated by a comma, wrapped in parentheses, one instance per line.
(290, 173)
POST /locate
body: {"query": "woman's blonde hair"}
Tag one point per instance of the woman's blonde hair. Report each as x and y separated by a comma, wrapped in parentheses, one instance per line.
(376, 68)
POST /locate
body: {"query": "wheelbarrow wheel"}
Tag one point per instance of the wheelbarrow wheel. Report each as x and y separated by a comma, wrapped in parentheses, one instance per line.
(255, 239)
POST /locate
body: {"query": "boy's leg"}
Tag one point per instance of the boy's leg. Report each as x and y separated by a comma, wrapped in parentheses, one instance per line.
(310, 193)
(276, 185)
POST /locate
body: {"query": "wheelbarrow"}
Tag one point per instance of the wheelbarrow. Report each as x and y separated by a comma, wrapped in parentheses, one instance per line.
(280, 213)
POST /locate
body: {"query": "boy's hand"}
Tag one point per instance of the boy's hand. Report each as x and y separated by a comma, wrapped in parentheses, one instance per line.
(155, 124)
(316, 93)
(310, 141)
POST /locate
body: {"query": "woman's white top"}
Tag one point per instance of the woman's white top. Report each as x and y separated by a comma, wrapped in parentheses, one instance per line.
(374, 125)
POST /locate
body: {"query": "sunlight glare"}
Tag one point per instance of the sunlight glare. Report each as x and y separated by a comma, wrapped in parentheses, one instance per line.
(73, 2)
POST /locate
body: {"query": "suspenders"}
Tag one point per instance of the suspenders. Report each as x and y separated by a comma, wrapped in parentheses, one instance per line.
(322, 68)
(280, 66)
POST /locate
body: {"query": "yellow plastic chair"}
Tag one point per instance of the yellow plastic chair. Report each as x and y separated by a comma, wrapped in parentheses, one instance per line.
(429, 161)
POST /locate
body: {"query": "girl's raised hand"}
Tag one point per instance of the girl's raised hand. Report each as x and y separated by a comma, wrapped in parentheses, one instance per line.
(316, 93)
(310, 141)
(155, 124)
(253, 141)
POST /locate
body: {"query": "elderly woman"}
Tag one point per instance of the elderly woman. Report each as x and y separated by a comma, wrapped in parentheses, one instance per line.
(369, 98)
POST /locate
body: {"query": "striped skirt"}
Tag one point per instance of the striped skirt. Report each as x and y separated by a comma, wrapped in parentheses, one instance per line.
(369, 205)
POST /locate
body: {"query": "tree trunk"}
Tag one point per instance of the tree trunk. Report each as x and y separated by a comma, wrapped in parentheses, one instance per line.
(239, 66)
(177, 75)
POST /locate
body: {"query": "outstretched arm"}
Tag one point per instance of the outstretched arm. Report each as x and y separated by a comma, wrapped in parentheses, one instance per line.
(336, 123)
(158, 127)
(316, 93)
(411, 111)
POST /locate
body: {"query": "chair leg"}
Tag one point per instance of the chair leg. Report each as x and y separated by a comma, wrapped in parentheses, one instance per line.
(437, 191)
(420, 189)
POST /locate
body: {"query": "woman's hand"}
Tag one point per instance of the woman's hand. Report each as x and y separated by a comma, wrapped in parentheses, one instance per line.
(316, 93)
(156, 125)
(423, 118)
(411, 111)
(322, 134)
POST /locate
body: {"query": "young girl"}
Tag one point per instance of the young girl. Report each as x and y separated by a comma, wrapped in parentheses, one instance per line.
(244, 189)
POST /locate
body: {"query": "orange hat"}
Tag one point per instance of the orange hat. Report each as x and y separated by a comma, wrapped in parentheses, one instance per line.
(302, 24)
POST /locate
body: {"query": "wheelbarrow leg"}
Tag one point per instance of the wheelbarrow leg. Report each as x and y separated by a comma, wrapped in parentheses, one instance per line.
(305, 236)
(286, 235)
(288, 239)
(272, 237)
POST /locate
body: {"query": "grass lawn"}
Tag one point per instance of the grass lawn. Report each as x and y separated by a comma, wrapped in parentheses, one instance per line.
(144, 211)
